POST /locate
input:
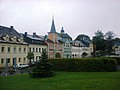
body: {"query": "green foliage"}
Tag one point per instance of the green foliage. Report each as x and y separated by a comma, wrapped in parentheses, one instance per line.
(99, 34)
(117, 59)
(85, 64)
(57, 55)
(11, 71)
(30, 56)
(104, 42)
(100, 43)
(43, 68)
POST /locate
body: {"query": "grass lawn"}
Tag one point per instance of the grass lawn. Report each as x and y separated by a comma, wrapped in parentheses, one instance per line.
(63, 81)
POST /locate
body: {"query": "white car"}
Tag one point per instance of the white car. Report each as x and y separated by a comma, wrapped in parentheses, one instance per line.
(21, 65)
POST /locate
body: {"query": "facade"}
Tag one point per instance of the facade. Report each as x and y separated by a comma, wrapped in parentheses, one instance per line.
(78, 48)
(12, 47)
(117, 49)
(36, 44)
(54, 44)
(67, 45)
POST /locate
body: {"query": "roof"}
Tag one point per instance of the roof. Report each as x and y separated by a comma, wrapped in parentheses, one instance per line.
(81, 42)
(34, 39)
(9, 31)
(62, 31)
(65, 35)
(53, 30)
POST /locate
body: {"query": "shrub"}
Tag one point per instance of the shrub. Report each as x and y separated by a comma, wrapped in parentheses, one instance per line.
(84, 64)
(117, 59)
(11, 71)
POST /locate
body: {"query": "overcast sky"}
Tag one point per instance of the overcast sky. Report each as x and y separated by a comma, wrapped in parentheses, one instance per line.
(76, 16)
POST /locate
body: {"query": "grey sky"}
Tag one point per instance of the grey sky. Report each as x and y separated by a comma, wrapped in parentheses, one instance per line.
(76, 16)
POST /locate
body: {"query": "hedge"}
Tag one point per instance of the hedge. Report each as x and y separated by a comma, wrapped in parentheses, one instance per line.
(117, 59)
(85, 64)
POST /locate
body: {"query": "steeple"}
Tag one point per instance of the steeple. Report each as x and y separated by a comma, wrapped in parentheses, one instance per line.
(62, 30)
(53, 30)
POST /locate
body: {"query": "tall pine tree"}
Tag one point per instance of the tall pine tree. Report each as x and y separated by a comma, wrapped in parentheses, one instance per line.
(43, 68)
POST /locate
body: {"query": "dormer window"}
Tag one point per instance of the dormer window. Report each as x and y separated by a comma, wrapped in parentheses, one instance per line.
(7, 38)
(20, 40)
(14, 39)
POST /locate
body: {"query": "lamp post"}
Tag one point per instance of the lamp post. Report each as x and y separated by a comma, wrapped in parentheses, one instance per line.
(6, 67)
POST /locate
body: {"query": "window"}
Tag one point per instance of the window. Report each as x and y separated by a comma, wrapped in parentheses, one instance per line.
(14, 49)
(39, 49)
(8, 60)
(24, 49)
(3, 49)
(33, 49)
(24, 59)
(42, 49)
(19, 60)
(30, 49)
(2, 60)
(36, 49)
(8, 49)
(19, 49)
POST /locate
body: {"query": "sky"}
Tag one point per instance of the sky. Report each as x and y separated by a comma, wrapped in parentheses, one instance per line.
(76, 16)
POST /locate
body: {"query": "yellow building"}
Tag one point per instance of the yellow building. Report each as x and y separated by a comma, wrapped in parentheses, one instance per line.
(13, 49)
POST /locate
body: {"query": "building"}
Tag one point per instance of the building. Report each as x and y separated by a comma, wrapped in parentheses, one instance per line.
(13, 49)
(54, 44)
(82, 48)
(67, 45)
(117, 49)
(36, 44)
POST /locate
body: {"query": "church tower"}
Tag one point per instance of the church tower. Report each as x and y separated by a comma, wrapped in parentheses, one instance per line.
(53, 35)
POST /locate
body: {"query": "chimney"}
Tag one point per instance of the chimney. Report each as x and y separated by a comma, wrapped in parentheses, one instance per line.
(34, 34)
(11, 27)
(25, 34)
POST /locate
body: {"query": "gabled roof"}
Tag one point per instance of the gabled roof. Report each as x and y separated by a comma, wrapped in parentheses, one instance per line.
(9, 31)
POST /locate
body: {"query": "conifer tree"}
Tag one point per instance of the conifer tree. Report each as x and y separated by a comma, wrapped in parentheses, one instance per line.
(43, 68)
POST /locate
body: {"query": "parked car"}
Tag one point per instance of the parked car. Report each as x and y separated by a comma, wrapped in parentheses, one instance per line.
(19, 66)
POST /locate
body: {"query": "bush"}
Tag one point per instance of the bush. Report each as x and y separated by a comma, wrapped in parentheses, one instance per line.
(11, 71)
(117, 59)
(85, 64)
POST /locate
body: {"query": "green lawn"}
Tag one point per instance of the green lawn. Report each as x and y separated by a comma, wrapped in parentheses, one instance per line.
(63, 81)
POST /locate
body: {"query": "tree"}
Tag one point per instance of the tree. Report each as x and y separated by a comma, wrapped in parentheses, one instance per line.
(43, 68)
(109, 35)
(99, 34)
(109, 39)
(57, 55)
(99, 43)
(30, 56)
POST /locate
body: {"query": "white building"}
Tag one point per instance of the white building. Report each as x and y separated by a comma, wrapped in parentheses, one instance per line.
(79, 48)
(36, 44)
